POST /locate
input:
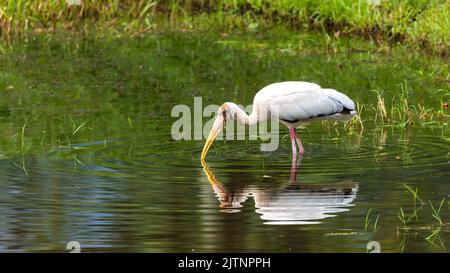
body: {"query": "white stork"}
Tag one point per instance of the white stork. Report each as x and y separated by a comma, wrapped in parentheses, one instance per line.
(292, 103)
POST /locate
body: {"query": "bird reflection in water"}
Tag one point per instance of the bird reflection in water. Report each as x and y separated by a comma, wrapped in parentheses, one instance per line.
(292, 203)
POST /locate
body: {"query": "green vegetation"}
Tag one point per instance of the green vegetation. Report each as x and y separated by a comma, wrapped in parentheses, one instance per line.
(416, 23)
(121, 78)
(402, 113)
(414, 193)
(434, 238)
(367, 221)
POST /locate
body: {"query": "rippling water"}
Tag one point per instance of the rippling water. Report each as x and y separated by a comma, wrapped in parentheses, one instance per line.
(120, 183)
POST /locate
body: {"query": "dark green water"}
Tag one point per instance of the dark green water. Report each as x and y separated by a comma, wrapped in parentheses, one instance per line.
(86, 152)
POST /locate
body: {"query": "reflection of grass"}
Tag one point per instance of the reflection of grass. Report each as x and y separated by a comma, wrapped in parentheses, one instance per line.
(367, 221)
(434, 238)
(414, 194)
(402, 217)
(435, 233)
(407, 218)
(403, 244)
(436, 213)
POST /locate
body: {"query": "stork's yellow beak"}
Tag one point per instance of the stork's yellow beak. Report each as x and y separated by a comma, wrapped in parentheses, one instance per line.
(215, 131)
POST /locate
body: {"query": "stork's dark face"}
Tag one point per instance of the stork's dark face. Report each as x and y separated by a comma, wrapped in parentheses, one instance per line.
(224, 113)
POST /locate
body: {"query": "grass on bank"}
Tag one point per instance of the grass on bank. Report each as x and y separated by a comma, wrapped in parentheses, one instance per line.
(402, 113)
(416, 23)
(399, 113)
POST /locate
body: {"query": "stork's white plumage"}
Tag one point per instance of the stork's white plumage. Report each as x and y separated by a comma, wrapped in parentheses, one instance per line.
(292, 103)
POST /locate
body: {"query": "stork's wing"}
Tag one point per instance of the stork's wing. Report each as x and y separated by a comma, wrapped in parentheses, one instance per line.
(306, 101)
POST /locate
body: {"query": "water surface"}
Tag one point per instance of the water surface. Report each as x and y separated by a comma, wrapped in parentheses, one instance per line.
(86, 152)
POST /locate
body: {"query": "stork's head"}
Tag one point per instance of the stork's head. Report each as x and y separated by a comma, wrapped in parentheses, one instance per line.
(226, 112)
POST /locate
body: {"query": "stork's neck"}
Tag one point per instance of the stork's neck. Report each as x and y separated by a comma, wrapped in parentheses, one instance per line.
(242, 117)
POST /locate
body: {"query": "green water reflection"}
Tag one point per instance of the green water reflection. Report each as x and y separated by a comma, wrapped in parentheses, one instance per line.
(86, 152)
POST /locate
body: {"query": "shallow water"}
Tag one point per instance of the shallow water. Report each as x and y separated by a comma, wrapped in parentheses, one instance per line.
(87, 155)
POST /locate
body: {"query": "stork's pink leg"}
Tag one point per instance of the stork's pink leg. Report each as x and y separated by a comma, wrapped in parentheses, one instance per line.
(300, 145)
(295, 163)
(293, 140)
(301, 150)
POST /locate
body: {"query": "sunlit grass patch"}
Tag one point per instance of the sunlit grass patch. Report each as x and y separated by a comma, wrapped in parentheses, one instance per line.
(419, 24)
